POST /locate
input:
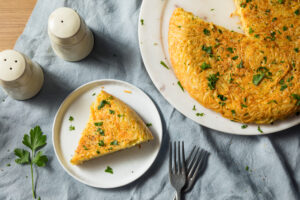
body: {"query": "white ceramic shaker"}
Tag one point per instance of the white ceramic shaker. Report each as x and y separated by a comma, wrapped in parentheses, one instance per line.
(70, 37)
(20, 77)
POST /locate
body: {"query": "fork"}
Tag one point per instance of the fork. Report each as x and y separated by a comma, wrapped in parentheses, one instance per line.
(195, 164)
(178, 173)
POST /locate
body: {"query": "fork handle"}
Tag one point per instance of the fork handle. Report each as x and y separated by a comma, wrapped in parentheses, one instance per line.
(175, 196)
(178, 195)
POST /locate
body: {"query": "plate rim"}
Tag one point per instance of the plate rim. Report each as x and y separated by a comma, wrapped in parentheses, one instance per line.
(171, 101)
(58, 112)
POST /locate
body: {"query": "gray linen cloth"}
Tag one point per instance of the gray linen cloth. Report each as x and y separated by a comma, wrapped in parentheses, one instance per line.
(273, 160)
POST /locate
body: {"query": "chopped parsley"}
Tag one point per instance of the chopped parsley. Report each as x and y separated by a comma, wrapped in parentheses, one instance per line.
(265, 59)
(119, 115)
(222, 97)
(230, 49)
(284, 28)
(164, 64)
(194, 107)
(244, 106)
(280, 1)
(101, 143)
(244, 126)
(180, 86)
(289, 38)
(98, 152)
(148, 124)
(85, 148)
(256, 35)
(240, 65)
(142, 22)
(93, 94)
(206, 32)
(71, 118)
(259, 129)
(274, 19)
(207, 49)
(273, 101)
(212, 80)
(98, 123)
(205, 66)
(297, 12)
(283, 87)
(102, 104)
(257, 78)
(8, 165)
(115, 142)
(296, 50)
(234, 57)
(247, 168)
(297, 97)
(100, 131)
(109, 170)
(199, 114)
(111, 112)
(71, 128)
(251, 30)
(233, 112)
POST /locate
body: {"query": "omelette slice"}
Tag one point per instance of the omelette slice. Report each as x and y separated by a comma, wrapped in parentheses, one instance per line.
(244, 78)
(112, 126)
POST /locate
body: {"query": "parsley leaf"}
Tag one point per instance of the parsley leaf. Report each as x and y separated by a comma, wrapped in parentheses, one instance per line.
(205, 66)
(111, 112)
(102, 104)
(296, 97)
(40, 159)
(71, 128)
(164, 64)
(98, 123)
(71, 118)
(148, 124)
(180, 86)
(35, 140)
(206, 32)
(239, 66)
(115, 142)
(257, 78)
(212, 80)
(199, 114)
(24, 156)
(109, 170)
(259, 129)
(244, 126)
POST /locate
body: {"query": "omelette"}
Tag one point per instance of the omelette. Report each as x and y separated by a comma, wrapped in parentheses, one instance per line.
(112, 126)
(248, 78)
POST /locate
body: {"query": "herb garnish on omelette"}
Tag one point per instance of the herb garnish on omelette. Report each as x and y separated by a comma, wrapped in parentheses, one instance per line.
(112, 126)
(252, 78)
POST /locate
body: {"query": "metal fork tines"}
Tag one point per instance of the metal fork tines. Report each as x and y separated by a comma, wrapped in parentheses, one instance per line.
(195, 162)
(177, 173)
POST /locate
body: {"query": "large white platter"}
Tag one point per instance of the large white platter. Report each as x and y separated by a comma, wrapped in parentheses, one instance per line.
(155, 15)
(127, 165)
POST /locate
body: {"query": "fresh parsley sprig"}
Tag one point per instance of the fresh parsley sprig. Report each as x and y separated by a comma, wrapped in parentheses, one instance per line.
(34, 141)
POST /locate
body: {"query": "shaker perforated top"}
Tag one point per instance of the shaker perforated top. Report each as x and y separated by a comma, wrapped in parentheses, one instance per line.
(64, 22)
(12, 65)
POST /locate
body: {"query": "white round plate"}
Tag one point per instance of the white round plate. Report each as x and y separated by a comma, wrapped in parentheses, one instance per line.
(127, 165)
(153, 38)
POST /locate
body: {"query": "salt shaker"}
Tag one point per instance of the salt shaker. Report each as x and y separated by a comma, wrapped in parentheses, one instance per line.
(70, 37)
(20, 77)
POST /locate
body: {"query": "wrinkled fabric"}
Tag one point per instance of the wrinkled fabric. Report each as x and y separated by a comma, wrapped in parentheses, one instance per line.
(273, 160)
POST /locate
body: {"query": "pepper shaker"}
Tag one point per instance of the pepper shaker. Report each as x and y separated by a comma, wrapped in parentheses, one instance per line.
(70, 37)
(20, 77)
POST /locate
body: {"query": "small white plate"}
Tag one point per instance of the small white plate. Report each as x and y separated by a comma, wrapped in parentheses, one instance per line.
(153, 39)
(127, 165)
